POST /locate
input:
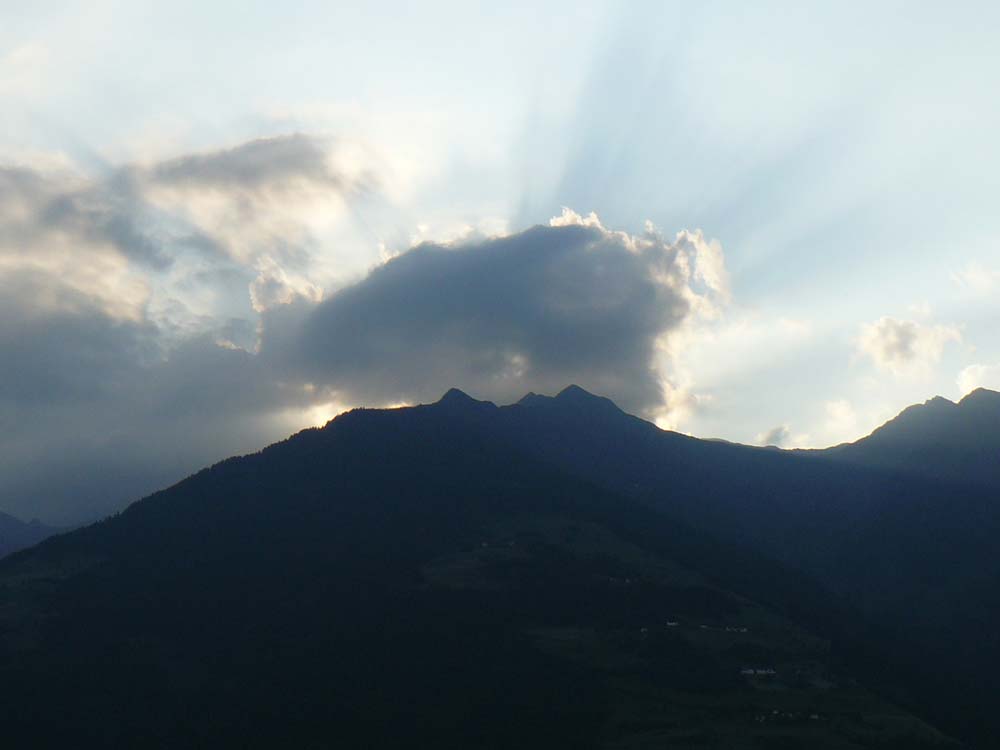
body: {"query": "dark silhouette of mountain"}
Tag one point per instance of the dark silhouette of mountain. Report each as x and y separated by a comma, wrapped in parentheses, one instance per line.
(916, 555)
(16, 534)
(939, 439)
(451, 575)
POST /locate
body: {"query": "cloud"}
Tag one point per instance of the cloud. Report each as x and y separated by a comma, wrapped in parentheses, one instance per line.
(158, 317)
(129, 325)
(96, 411)
(904, 346)
(263, 165)
(274, 286)
(58, 354)
(58, 233)
(775, 436)
(254, 212)
(979, 376)
(571, 302)
(680, 402)
(976, 278)
(710, 267)
(783, 437)
(271, 196)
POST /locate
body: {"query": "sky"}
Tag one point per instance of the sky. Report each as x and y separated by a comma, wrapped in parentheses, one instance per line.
(224, 222)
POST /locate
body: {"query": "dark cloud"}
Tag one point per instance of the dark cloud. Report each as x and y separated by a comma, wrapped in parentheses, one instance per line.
(123, 360)
(98, 216)
(62, 353)
(166, 316)
(19, 187)
(532, 311)
(256, 165)
(94, 413)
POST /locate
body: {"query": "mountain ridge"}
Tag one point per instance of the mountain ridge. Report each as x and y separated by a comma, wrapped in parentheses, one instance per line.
(331, 563)
(938, 439)
(16, 534)
(439, 509)
(858, 531)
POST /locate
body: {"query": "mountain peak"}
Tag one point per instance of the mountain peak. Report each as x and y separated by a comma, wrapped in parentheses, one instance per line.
(575, 396)
(531, 398)
(938, 439)
(575, 393)
(939, 402)
(571, 395)
(919, 414)
(455, 398)
(980, 397)
(455, 395)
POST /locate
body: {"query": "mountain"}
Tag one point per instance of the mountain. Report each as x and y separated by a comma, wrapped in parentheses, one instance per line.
(915, 555)
(939, 439)
(435, 577)
(15, 534)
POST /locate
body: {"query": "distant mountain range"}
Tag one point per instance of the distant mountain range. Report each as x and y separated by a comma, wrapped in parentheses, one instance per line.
(554, 573)
(16, 534)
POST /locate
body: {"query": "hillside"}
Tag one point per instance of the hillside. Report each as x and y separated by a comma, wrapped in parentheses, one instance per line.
(914, 555)
(938, 439)
(415, 578)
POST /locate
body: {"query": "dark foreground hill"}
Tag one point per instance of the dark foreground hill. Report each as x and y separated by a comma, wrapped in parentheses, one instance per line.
(428, 577)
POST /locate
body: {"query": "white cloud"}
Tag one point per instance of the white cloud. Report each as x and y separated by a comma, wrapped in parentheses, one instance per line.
(569, 218)
(680, 403)
(976, 278)
(185, 235)
(904, 346)
(783, 437)
(979, 376)
(274, 286)
(57, 230)
(775, 436)
(270, 196)
(710, 266)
